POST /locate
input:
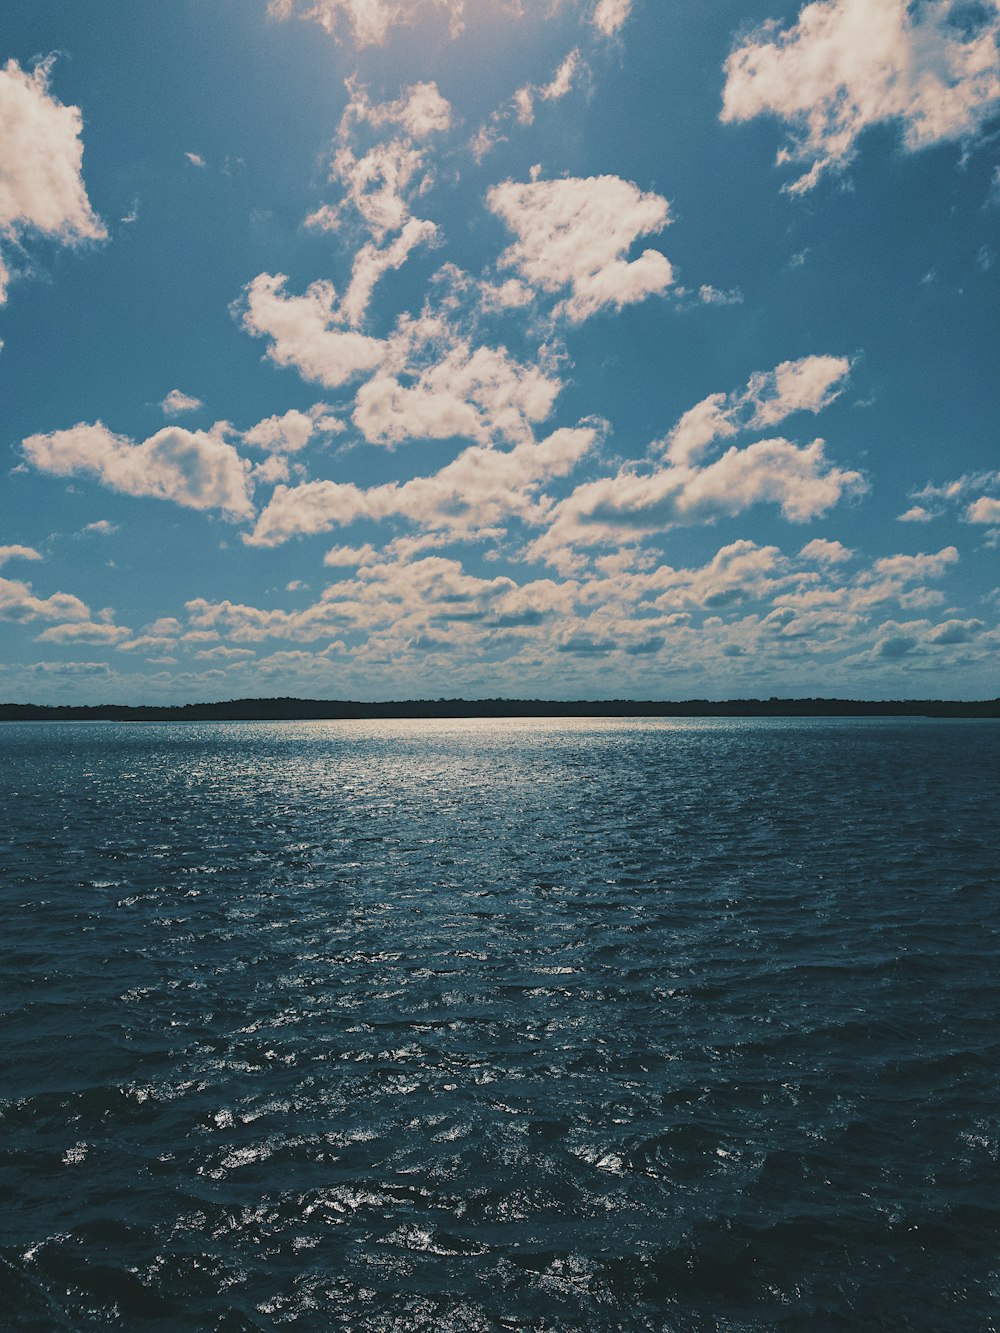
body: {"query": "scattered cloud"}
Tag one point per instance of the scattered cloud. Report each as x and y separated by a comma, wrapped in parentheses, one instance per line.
(916, 514)
(198, 469)
(41, 159)
(421, 110)
(196, 160)
(480, 489)
(18, 553)
(799, 479)
(84, 631)
(562, 81)
(975, 496)
(845, 66)
(807, 385)
(826, 552)
(984, 510)
(380, 185)
(709, 295)
(479, 393)
(177, 402)
(18, 602)
(304, 331)
(611, 15)
(293, 430)
(372, 261)
(367, 22)
(575, 233)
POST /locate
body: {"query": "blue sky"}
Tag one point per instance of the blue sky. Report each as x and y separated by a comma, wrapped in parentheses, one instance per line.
(408, 348)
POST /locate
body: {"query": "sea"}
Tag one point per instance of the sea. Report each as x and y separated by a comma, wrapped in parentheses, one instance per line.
(672, 1025)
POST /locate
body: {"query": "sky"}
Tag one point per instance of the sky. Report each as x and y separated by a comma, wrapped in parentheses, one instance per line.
(386, 349)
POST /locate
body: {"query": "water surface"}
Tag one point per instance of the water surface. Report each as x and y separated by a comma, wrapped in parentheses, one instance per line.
(476, 1025)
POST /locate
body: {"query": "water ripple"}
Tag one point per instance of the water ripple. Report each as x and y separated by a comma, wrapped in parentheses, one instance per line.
(666, 1025)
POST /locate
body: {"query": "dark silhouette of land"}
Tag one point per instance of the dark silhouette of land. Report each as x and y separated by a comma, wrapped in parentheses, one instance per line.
(303, 710)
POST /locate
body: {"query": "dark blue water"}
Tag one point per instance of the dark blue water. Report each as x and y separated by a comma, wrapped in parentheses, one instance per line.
(517, 1025)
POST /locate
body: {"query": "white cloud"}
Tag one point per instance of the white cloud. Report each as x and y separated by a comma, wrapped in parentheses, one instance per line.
(956, 631)
(379, 184)
(18, 553)
(486, 139)
(371, 262)
(916, 514)
(709, 295)
(197, 469)
(477, 393)
(936, 500)
(558, 86)
(84, 631)
(576, 232)
(825, 552)
(177, 402)
(984, 510)
(224, 654)
(798, 479)
(611, 15)
(848, 65)
(101, 527)
(481, 488)
(293, 430)
(18, 602)
(350, 557)
(41, 159)
(303, 331)
(510, 295)
(367, 21)
(196, 159)
(807, 385)
(147, 643)
(421, 110)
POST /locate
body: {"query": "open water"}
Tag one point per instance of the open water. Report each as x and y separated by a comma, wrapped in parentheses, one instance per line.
(596, 1025)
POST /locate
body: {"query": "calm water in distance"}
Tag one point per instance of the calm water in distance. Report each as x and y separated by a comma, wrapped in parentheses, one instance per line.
(520, 1025)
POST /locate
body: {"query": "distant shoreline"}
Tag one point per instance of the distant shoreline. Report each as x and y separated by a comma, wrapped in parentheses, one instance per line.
(324, 710)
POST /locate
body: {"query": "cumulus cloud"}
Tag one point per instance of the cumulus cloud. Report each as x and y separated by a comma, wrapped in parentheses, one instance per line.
(177, 402)
(41, 160)
(800, 480)
(292, 430)
(17, 552)
(482, 487)
(379, 184)
(933, 69)
(826, 552)
(806, 385)
(420, 110)
(900, 578)
(611, 15)
(303, 331)
(18, 602)
(956, 631)
(391, 611)
(198, 469)
(479, 393)
(84, 631)
(984, 510)
(975, 492)
(575, 233)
